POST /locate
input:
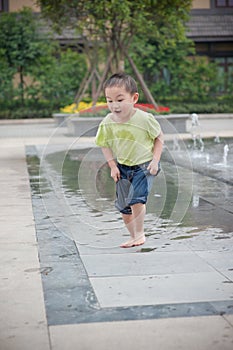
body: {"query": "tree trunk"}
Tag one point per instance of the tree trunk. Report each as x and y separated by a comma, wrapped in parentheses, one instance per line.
(104, 75)
(144, 87)
(84, 86)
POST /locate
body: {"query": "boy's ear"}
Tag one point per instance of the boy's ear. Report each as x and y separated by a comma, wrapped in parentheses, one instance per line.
(135, 97)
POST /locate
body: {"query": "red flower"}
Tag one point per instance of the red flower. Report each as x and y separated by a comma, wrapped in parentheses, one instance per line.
(144, 106)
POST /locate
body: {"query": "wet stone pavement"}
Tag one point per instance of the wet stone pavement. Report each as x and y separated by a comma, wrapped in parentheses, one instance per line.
(185, 267)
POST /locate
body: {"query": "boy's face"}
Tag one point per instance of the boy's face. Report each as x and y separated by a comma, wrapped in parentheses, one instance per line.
(120, 102)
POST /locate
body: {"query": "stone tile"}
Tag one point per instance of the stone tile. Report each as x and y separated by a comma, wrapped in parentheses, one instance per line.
(223, 307)
(16, 211)
(203, 333)
(229, 319)
(25, 337)
(153, 263)
(9, 201)
(22, 318)
(12, 233)
(228, 273)
(56, 249)
(19, 278)
(161, 289)
(19, 267)
(219, 260)
(63, 275)
(111, 245)
(211, 242)
(18, 223)
(90, 238)
(88, 249)
(18, 253)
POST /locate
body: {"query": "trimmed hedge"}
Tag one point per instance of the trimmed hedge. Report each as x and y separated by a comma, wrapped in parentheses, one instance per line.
(24, 113)
(202, 108)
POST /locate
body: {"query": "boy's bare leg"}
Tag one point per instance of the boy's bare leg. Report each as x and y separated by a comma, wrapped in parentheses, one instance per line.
(139, 211)
(129, 223)
(135, 225)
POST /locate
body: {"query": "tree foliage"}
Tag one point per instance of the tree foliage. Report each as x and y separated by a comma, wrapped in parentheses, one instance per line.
(57, 78)
(115, 23)
(47, 76)
(20, 44)
(173, 72)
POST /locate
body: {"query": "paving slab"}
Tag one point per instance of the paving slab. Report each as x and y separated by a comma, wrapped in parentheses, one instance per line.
(218, 260)
(22, 316)
(229, 319)
(202, 333)
(161, 289)
(132, 264)
(13, 233)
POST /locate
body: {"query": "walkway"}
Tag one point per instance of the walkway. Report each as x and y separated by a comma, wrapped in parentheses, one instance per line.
(119, 309)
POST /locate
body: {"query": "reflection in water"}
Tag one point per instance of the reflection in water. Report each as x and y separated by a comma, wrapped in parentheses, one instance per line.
(85, 174)
(39, 184)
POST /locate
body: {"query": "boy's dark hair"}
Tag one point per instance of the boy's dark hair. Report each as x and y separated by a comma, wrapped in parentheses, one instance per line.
(122, 79)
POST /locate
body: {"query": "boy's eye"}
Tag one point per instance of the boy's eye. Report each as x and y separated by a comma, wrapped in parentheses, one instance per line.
(118, 101)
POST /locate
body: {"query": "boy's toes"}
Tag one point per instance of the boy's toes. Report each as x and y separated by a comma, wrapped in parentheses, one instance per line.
(133, 242)
(138, 242)
(127, 244)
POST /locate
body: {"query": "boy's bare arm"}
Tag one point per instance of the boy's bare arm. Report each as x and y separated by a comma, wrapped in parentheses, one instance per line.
(158, 147)
(153, 167)
(115, 172)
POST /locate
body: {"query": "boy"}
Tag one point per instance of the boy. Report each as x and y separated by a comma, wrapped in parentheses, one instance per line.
(134, 138)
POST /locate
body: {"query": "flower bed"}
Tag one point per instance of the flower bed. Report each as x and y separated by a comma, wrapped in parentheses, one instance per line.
(87, 110)
(84, 120)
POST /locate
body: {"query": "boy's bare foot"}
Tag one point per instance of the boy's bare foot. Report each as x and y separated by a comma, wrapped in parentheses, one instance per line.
(134, 242)
(127, 244)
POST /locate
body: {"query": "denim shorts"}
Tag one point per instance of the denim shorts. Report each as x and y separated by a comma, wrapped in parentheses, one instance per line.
(133, 187)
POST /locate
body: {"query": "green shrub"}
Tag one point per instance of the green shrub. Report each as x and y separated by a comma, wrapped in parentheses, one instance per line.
(48, 77)
(25, 113)
(203, 108)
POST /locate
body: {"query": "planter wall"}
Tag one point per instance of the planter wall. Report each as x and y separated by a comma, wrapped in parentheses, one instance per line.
(60, 119)
(173, 123)
(80, 126)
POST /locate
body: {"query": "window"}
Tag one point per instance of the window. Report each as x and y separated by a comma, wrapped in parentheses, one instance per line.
(225, 72)
(3, 5)
(224, 3)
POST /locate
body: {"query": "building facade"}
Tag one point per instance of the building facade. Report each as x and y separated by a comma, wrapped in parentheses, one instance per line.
(210, 27)
(17, 5)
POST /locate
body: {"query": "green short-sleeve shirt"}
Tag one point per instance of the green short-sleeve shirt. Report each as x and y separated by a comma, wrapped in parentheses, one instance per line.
(131, 142)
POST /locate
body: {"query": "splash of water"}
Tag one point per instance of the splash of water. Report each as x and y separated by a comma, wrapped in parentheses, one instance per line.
(176, 146)
(225, 154)
(195, 119)
(217, 139)
(198, 143)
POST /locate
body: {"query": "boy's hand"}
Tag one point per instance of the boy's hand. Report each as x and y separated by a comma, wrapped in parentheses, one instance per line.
(153, 167)
(115, 173)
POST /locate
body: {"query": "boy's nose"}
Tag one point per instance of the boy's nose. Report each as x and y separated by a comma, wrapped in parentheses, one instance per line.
(116, 105)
